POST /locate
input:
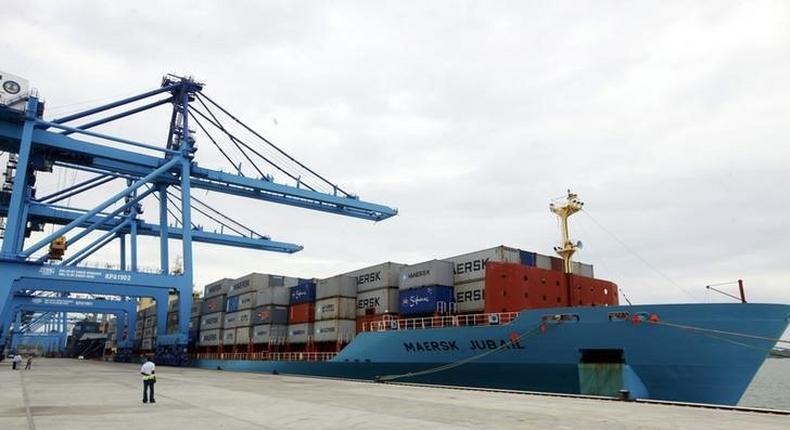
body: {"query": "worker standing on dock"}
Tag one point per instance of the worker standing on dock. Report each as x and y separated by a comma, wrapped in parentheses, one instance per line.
(149, 379)
(16, 362)
(29, 364)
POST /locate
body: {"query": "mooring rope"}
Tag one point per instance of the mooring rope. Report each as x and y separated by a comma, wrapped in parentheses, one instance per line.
(724, 332)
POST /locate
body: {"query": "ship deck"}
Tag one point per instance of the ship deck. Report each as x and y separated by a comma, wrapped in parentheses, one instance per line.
(70, 394)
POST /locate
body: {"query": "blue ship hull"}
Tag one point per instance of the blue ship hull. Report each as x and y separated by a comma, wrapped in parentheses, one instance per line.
(656, 360)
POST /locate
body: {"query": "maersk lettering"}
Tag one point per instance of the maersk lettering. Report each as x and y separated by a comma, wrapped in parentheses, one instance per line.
(419, 273)
(431, 346)
(368, 278)
(470, 266)
(372, 302)
(469, 296)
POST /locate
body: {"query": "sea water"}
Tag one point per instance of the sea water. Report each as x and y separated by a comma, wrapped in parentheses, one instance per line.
(770, 388)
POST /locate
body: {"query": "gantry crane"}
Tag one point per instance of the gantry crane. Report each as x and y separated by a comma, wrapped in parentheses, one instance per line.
(167, 171)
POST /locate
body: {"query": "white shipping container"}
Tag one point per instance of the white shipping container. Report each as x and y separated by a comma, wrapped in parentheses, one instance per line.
(217, 288)
(300, 333)
(583, 269)
(434, 272)
(336, 286)
(543, 261)
(229, 336)
(381, 301)
(470, 296)
(472, 266)
(279, 296)
(212, 321)
(290, 282)
(269, 333)
(238, 319)
(243, 335)
(255, 282)
(376, 277)
(209, 337)
(334, 330)
(247, 300)
(335, 308)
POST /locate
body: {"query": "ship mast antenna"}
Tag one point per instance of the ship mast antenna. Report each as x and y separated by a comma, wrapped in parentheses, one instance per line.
(563, 211)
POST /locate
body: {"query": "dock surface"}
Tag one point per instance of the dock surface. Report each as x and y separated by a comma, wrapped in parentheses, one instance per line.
(67, 394)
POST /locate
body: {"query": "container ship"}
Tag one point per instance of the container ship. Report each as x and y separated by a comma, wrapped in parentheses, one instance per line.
(497, 318)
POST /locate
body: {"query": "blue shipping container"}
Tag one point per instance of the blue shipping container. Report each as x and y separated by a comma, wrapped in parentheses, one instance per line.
(303, 293)
(233, 304)
(527, 258)
(425, 300)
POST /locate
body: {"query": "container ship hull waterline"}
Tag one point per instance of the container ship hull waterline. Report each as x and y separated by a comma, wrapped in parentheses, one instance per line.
(498, 318)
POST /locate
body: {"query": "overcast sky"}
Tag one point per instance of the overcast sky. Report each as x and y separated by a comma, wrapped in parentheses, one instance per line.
(669, 119)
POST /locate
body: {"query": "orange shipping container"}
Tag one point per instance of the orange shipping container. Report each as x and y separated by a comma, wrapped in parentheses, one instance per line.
(512, 287)
(301, 313)
(592, 292)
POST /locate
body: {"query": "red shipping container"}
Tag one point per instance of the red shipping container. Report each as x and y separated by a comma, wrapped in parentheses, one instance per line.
(512, 287)
(301, 313)
(592, 292)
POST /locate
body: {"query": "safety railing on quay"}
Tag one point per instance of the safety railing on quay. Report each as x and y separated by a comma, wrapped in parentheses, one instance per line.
(441, 321)
(268, 356)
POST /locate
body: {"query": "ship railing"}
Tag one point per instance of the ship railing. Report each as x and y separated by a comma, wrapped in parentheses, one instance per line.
(271, 356)
(441, 321)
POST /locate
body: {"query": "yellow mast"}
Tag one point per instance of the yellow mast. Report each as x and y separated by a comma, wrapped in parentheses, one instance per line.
(564, 211)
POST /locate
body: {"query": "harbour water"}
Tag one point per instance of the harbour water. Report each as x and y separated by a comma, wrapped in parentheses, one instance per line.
(771, 386)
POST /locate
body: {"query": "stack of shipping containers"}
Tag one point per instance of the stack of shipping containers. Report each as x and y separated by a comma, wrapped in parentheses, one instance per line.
(426, 289)
(270, 315)
(253, 300)
(212, 315)
(149, 329)
(469, 275)
(301, 314)
(377, 293)
(138, 329)
(194, 318)
(172, 315)
(335, 310)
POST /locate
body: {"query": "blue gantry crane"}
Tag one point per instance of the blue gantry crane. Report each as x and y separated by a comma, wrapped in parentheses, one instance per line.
(32, 260)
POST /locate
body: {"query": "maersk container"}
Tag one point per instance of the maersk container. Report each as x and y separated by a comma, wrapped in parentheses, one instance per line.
(377, 277)
(583, 269)
(302, 293)
(543, 262)
(232, 304)
(434, 272)
(238, 319)
(336, 308)
(334, 330)
(214, 304)
(300, 333)
(212, 321)
(229, 336)
(270, 333)
(255, 282)
(376, 302)
(336, 286)
(270, 314)
(527, 258)
(247, 300)
(197, 307)
(217, 288)
(209, 337)
(272, 296)
(472, 266)
(243, 335)
(426, 300)
(470, 296)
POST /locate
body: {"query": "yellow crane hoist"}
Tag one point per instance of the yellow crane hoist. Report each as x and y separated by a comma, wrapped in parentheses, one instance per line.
(57, 248)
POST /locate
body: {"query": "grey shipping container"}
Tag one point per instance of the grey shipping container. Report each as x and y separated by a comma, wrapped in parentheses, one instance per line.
(247, 300)
(172, 304)
(583, 269)
(336, 308)
(209, 337)
(270, 314)
(212, 321)
(148, 332)
(150, 311)
(470, 296)
(381, 301)
(377, 277)
(272, 296)
(543, 261)
(229, 336)
(139, 324)
(214, 304)
(270, 333)
(197, 307)
(238, 319)
(217, 288)
(434, 272)
(194, 324)
(336, 286)
(255, 282)
(334, 330)
(243, 335)
(150, 321)
(300, 333)
(147, 344)
(472, 266)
